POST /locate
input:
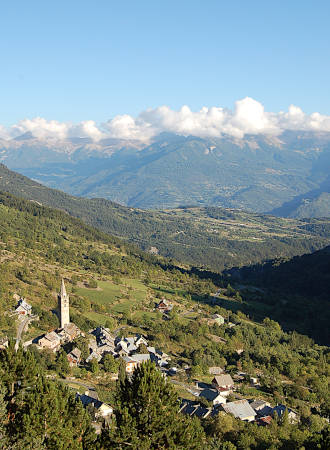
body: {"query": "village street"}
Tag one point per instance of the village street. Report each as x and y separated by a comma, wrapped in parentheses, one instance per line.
(23, 323)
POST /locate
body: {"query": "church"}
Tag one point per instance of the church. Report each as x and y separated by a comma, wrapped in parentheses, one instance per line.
(63, 306)
(68, 331)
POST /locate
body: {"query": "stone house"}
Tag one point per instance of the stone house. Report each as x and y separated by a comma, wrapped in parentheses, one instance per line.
(240, 409)
(103, 410)
(23, 308)
(74, 357)
(223, 383)
(164, 306)
(213, 396)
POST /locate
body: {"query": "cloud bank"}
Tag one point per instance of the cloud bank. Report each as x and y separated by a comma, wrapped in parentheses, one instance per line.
(248, 117)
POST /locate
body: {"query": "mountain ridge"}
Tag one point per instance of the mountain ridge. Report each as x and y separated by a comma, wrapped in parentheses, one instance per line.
(212, 237)
(257, 173)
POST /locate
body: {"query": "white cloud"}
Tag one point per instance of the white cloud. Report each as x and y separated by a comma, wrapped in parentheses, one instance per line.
(87, 129)
(248, 117)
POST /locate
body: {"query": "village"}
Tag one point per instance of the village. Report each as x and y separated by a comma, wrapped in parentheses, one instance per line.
(205, 399)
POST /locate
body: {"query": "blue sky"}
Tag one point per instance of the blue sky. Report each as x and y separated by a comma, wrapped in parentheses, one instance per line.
(77, 60)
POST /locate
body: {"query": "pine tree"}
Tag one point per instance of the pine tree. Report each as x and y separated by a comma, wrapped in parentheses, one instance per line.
(17, 368)
(3, 417)
(49, 416)
(147, 415)
(121, 372)
(62, 364)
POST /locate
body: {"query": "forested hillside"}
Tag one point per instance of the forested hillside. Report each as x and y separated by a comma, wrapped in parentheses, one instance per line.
(296, 289)
(117, 285)
(213, 237)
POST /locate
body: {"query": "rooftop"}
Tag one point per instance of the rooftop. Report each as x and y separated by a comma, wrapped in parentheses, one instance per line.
(224, 380)
(240, 409)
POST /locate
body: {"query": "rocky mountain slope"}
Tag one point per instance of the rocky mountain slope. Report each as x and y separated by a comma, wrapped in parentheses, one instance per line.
(285, 175)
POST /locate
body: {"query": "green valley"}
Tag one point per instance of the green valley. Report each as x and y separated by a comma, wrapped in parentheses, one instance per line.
(214, 237)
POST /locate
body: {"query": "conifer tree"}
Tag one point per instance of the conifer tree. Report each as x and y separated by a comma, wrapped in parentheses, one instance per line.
(17, 368)
(3, 416)
(121, 372)
(147, 415)
(62, 364)
(49, 416)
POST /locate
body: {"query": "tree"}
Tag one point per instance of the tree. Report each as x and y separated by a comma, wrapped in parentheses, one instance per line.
(3, 414)
(110, 364)
(17, 367)
(50, 415)
(147, 415)
(121, 372)
(81, 342)
(94, 365)
(143, 349)
(62, 364)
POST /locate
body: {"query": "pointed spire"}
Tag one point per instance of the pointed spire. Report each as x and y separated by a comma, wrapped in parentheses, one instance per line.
(63, 290)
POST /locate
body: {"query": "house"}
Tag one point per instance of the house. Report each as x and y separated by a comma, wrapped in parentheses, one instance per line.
(218, 319)
(51, 340)
(223, 383)
(134, 361)
(103, 410)
(264, 421)
(69, 332)
(261, 407)
(164, 306)
(240, 409)
(280, 409)
(126, 346)
(202, 412)
(194, 409)
(4, 343)
(254, 381)
(215, 370)
(103, 343)
(74, 357)
(104, 338)
(139, 340)
(94, 355)
(130, 364)
(213, 396)
(160, 358)
(141, 357)
(54, 339)
(23, 308)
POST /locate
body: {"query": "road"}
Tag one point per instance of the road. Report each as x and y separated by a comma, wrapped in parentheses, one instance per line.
(79, 383)
(21, 327)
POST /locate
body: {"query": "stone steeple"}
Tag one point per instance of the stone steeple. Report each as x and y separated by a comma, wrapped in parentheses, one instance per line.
(63, 306)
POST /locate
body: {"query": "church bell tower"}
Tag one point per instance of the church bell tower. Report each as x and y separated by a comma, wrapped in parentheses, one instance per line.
(63, 306)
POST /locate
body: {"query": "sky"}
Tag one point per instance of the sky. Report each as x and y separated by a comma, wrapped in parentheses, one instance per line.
(78, 61)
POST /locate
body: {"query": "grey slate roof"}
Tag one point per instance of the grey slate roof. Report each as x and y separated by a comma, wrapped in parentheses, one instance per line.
(224, 380)
(76, 353)
(140, 357)
(261, 407)
(216, 370)
(23, 304)
(240, 409)
(209, 394)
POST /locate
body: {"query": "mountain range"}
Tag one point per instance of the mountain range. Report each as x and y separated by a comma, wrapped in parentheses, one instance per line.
(212, 237)
(285, 175)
